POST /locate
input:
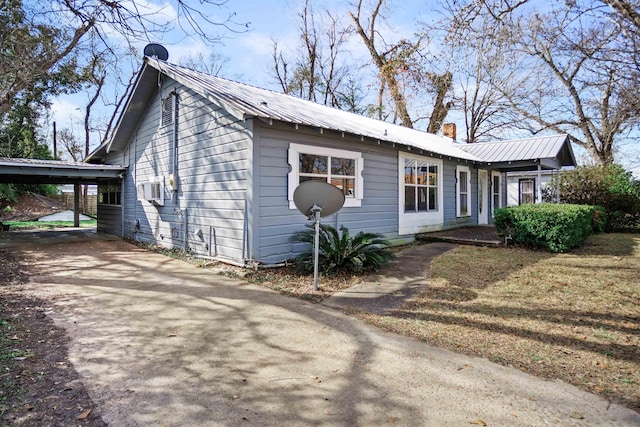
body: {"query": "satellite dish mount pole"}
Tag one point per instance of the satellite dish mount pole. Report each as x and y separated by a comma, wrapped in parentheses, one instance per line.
(314, 214)
(316, 199)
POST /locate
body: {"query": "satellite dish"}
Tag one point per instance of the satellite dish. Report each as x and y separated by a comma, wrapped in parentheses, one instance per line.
(317, 199)
(156, 50)
(320, 194)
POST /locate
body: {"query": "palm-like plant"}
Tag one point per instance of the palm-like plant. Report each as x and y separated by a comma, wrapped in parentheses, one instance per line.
(340, 251)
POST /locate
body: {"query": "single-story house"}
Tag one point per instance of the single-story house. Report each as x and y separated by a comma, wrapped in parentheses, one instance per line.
(212, 166)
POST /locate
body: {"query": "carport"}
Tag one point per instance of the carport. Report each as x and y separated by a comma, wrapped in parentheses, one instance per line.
(35, 171)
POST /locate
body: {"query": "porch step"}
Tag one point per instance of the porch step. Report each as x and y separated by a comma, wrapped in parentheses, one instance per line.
(460, 241)
(476, 236)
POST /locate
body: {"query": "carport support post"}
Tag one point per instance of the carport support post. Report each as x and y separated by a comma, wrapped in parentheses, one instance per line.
(76, 204)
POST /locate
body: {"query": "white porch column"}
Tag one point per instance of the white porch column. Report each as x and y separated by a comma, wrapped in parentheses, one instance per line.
(539, 184)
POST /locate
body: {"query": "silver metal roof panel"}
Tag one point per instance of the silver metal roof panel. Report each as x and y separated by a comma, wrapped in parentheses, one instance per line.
(542, 147)
(248, 101)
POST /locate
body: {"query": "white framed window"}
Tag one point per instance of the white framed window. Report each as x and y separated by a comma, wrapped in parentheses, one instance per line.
(527, 191)
(340, 168)
(420, 195)
(496, 191)
(463, 193)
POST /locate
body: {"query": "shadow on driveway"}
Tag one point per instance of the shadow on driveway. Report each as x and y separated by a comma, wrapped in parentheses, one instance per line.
(159, 341)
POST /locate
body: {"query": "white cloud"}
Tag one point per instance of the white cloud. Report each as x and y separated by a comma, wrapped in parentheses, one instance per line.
(67, 111)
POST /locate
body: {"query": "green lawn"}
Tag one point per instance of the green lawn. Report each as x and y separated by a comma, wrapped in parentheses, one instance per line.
(30, 225)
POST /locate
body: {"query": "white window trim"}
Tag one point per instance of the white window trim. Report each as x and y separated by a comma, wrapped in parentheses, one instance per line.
(294, 163)
(468, 171)
(422, 221)
(494, 192)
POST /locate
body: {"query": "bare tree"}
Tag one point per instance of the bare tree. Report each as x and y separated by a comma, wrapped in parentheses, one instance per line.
(598, 101)
(316, 70)
(481, 55)
(64, 45)
(575, 71)
(214, 64)
(403, 69)
(70, 145)
(389, 61)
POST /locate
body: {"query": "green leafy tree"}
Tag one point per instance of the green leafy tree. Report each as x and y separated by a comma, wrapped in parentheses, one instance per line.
(609, 186)
(339, 251)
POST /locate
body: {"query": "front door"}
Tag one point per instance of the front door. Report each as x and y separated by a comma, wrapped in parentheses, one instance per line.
(483, 197)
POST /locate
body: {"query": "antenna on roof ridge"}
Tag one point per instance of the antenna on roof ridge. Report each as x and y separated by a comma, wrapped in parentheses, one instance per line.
(157, 51)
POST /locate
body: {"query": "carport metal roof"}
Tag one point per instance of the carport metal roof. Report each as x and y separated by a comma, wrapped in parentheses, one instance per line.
(33, 171)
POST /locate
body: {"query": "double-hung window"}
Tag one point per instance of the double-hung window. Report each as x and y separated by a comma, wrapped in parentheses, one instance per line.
(527, 193)
(340, 168)
(420, 185)
(463, 193)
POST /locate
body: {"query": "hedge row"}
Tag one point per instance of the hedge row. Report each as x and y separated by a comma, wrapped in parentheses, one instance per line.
(556, 227)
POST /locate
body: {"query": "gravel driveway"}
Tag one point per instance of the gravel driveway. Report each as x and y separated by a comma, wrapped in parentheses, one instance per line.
(158, 342)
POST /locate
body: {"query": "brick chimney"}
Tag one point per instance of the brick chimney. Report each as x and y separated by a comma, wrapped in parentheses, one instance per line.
(449, 130)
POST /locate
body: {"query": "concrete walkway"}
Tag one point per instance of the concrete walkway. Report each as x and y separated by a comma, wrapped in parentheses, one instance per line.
(403, 279)
(158, 342)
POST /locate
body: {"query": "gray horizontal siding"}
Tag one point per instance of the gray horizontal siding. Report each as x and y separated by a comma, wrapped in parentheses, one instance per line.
(109, 219)
(276, 222)
(450, 198)
(212, 163)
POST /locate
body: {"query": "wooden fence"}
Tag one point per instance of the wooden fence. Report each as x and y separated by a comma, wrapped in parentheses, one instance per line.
(91, 206)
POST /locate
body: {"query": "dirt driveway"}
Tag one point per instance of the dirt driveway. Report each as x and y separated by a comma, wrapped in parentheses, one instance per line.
(158, 342)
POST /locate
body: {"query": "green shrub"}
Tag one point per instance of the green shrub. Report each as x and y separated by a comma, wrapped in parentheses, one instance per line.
(556, 227)
(338, 251)
(609, 186)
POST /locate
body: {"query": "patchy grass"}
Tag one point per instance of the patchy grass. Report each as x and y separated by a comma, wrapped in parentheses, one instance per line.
(289, 282)
(575, 316)
(32, 225)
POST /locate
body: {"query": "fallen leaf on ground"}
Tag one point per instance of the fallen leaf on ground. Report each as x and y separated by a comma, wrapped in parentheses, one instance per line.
(83, 415)
(478, 422)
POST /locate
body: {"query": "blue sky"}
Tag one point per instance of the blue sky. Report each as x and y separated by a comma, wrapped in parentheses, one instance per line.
(249, 52)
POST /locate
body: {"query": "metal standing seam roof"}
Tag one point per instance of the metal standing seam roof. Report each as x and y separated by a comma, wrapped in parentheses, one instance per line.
(54, 171)
(246, 102)
(252, 101)
(543, 147)
(58, 164)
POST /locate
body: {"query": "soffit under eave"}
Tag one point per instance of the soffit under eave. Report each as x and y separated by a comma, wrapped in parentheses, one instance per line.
(566, 155)
(516, 165)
